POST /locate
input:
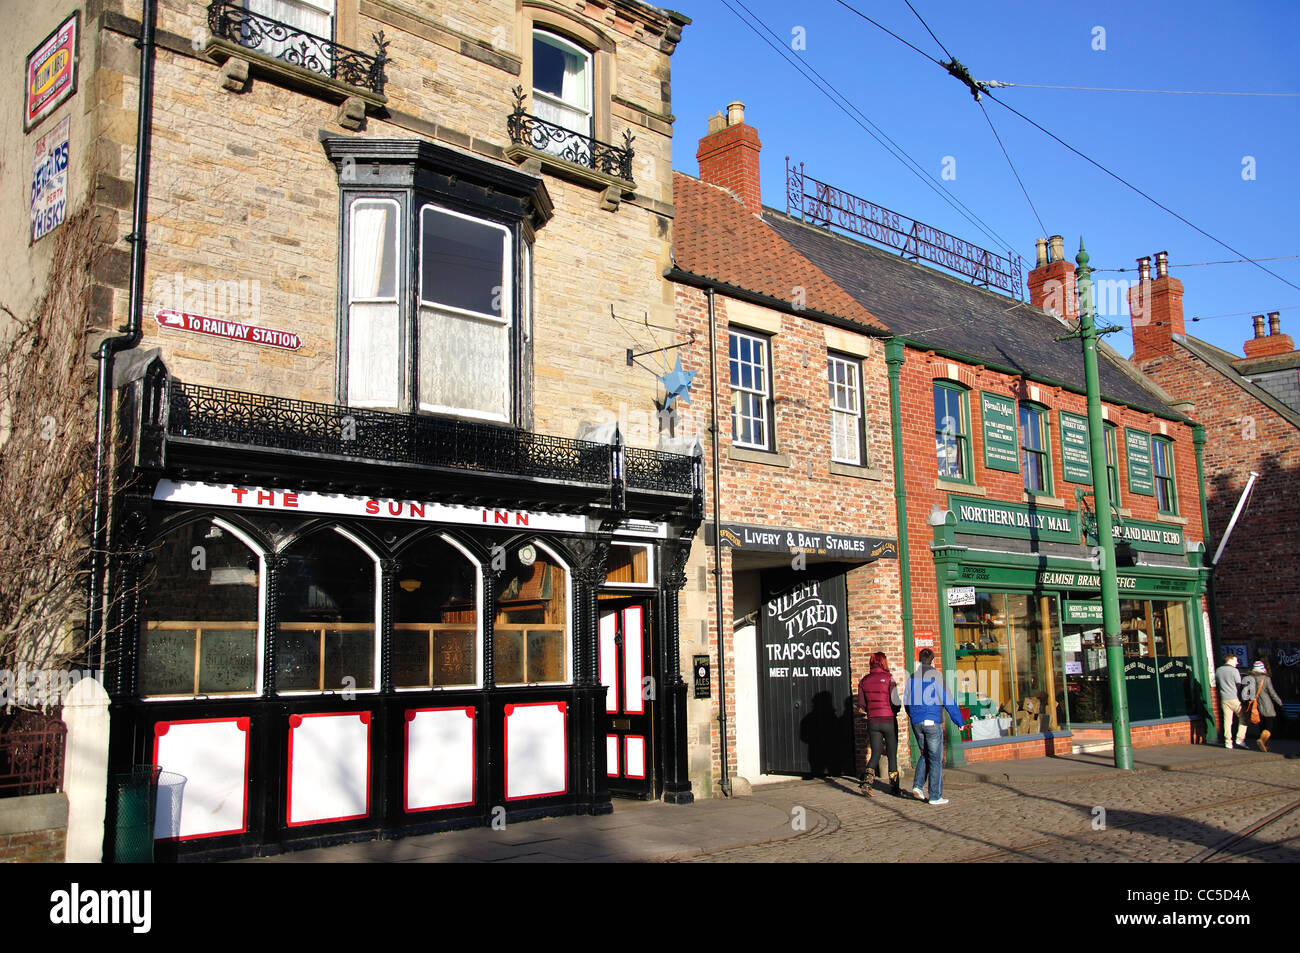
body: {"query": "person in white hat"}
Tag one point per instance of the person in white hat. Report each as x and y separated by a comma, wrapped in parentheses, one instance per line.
(1268, 700)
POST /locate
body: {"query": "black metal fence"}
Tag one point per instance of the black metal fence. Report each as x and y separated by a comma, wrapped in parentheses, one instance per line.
(546, 136)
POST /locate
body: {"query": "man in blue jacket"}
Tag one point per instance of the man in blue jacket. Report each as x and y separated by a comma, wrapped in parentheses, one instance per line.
(926, 700)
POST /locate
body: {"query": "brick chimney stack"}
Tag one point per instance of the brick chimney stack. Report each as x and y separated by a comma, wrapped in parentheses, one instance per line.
(1155, 308)
(728, 156)
(1052, 284)
(1274, 343)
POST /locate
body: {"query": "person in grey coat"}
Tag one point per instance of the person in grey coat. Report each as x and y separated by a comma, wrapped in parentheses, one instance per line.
(1229, 681)
(1266, 697)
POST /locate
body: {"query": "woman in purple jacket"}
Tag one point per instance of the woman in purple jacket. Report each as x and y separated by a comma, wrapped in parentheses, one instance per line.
(878, 700)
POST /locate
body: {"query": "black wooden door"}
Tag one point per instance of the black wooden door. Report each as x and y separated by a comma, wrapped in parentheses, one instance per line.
(625, 672)
(805, 684)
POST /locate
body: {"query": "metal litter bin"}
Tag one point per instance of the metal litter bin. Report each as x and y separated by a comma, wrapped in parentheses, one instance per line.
(132, 800)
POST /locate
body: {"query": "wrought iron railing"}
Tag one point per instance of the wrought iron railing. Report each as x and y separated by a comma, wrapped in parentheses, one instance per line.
(546, 136)
(31, 754)
(228, 20)
(258, 420)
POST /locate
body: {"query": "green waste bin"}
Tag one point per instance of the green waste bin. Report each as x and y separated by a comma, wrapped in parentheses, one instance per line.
(133, 801)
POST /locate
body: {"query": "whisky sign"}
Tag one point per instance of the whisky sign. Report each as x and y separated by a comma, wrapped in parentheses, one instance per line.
(49, 198)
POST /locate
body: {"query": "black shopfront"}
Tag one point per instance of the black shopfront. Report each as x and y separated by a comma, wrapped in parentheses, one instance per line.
(454, 624)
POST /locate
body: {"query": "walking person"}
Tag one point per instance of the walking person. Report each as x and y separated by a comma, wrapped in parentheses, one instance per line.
(1229, 681)
(926, 701)
(878, 699)
(1268, 700)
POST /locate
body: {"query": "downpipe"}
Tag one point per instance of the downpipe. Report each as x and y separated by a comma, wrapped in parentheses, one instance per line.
(725, 782)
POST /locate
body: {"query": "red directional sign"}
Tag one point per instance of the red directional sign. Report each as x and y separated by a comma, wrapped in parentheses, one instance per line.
(218, 327)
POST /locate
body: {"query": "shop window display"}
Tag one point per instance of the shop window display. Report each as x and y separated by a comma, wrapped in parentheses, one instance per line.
(199, 615)
(1008, 678)
(531, 630)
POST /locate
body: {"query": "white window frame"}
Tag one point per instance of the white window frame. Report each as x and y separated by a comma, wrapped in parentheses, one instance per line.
(354, 397)
(504, 322)
(846, 420)
(549, 99)
(763, 395)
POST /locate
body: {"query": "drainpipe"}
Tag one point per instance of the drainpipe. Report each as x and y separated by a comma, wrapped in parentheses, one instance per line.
(725, 782)
(894, 357)
(111, 346)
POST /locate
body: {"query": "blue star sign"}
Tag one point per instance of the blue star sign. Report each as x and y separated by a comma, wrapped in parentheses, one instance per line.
(677, 383)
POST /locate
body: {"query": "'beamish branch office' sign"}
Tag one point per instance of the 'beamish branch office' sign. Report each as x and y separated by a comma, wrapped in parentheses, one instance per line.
(778, 539)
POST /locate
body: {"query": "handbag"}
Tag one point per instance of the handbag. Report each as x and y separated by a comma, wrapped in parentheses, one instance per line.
(1252, 712)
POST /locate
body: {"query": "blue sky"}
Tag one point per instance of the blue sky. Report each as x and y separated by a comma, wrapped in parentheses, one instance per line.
(1188, 152)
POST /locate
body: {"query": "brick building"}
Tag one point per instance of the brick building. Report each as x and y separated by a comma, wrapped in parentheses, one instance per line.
(399, 550)
(991, 420)
(799, 494)
(1250, 408)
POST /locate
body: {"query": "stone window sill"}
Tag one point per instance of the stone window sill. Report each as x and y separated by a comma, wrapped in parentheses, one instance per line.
(1170, 518)
(1042, 499)
(535, 160)
(856, 472)
(954, 486)
(764, 457)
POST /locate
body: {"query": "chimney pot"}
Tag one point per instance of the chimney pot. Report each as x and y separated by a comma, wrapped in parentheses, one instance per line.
(1058, 248)
(1040, 247)
(1259, 325)
(1274, 323)
(1144, 268)
(735, 113)
(717, 122)
(1162, 264)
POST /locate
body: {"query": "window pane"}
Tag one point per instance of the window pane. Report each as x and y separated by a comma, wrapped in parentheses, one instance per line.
(327, 615)
(463, 364)
(435, 610)
(374, 349)
(560, 70)
(373, 251)
(532, 621)
(200, 605)
(462, 263)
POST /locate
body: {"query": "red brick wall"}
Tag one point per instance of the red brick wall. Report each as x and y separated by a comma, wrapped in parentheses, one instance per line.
(1141, 736)
(805, 495)
(1257, 583)
(33, 847)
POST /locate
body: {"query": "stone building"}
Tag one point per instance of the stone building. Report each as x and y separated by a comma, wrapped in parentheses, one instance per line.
(400, 550)
(1250, 407)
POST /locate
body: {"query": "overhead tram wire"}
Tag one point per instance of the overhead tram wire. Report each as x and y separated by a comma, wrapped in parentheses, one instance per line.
(957, 70)
(827, 89)
(997, 84)
(965, 76)
(1203, 264)
(1134, 188)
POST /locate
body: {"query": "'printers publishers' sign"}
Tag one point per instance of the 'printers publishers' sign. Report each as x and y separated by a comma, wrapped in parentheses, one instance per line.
(52, 72)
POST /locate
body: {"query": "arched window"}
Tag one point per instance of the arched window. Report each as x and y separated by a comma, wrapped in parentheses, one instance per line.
(532, 618)
(436, 630)
(327, 613)
(200, 625)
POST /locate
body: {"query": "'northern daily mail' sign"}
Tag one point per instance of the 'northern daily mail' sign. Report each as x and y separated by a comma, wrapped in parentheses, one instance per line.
(1076, 457)
(1014, 520)
(1001, 438)
(1137, 443)
(778, 539)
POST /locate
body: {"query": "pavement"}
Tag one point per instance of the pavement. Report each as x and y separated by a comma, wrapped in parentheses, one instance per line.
(1181, 803)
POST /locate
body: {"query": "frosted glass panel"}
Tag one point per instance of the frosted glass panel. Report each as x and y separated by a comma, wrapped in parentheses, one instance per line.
(462, 364)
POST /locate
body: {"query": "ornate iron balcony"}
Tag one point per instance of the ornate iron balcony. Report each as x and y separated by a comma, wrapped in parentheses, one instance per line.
(257, 420)
(229, 21)
(546, 136)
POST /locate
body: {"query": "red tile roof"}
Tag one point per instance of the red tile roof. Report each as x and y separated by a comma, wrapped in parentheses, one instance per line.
(716, 237)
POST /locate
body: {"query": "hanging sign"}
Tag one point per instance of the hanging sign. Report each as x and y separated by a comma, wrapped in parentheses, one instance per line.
(1001, 439)
(52, 71)
(232, 330)
(1138, 446)
(1076, 458)
(49, 202)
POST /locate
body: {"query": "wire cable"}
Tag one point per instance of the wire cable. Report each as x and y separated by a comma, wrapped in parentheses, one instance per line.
(928, 30)
(1202, 264)
(1144, 195)
(845, 105)
(1110, 89)
(890, 32)
(1013, 168)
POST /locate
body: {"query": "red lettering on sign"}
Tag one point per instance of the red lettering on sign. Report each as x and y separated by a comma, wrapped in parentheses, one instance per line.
(417, 509)
(372, 507)
(290, 499)
(521, 519)
(501, 516)
(239, 494)
(394, 509)
(265, 496)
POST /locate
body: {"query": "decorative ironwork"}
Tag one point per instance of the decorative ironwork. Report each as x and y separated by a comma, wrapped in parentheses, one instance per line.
(257, 420)
(655, 469)
(229, 21)
(31, 754)
(820, 204)
(546, 136)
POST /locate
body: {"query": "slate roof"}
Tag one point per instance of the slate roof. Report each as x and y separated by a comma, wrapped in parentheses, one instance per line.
(1223, 362)
(716, 238)
(948, 314)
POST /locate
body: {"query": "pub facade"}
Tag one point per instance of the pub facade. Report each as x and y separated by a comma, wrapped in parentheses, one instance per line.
(396, 545)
